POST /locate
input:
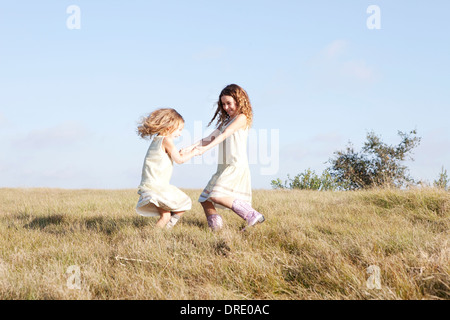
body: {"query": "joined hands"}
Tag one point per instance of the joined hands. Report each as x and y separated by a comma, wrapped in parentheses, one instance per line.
(198, 150)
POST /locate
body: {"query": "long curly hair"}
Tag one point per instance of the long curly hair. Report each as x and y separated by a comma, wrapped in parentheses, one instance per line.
(243, 105)
(160, 122)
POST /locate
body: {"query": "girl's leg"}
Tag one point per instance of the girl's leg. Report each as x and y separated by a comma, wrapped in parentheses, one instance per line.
(179, 214)
(214, 220)
(242, 209)
(224, 201)
(174, 219)
(163, 219)
(208, 208)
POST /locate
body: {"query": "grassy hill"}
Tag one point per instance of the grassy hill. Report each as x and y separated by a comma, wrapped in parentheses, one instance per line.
(313, 245)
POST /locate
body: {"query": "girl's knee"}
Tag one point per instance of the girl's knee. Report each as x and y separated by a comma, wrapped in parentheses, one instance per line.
(163, 219)
(214, 199)
(207, 204)
(208, 207)
(178, 213)
(165, 216)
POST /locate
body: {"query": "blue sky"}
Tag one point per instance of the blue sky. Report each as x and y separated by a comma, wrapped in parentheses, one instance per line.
(316, 75)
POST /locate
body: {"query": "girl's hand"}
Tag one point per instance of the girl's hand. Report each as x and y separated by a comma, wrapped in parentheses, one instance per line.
(199, 150)
(187, 150)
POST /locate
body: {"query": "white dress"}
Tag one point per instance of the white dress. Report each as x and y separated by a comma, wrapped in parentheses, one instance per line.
(232, 178)
(155, 190)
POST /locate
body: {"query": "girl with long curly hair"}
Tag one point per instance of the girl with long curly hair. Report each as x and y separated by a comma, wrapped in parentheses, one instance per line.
(230, 186)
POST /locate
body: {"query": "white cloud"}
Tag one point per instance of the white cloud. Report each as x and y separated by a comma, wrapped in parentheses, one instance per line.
(210, 53)
(327, 138)
(3, 120)
(335, 65)
(358, 69)
(63, 135)
(335, 49)
(318, 148)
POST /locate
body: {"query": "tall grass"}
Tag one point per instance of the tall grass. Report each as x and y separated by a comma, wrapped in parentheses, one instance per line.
(313, 245)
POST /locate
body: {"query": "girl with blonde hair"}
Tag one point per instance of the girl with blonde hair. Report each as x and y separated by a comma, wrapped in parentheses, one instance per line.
(157, 196)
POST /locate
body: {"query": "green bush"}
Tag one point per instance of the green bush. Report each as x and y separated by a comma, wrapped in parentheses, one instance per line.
(377, 164)
(308, 180)
(443, 182)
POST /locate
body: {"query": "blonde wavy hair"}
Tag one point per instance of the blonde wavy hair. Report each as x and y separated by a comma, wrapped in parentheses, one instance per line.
(242, 103)
(160, 122)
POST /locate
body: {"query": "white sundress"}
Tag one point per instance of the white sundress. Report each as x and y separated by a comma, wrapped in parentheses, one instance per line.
(232, 178)
(155, 190)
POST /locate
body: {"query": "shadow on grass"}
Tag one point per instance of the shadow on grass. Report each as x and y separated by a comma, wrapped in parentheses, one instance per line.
(42, 222)
(194, 223)
(108, 225)
(57, 223)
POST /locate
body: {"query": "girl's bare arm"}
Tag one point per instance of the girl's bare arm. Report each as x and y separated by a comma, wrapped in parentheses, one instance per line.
(174, 154)
(203, 142)
(239, 123)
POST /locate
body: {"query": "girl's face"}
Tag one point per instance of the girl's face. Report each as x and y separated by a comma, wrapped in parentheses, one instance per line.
(229, 105)
(177, 131)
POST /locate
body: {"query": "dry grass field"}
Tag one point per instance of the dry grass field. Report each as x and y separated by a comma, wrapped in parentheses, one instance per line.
(313, 245)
